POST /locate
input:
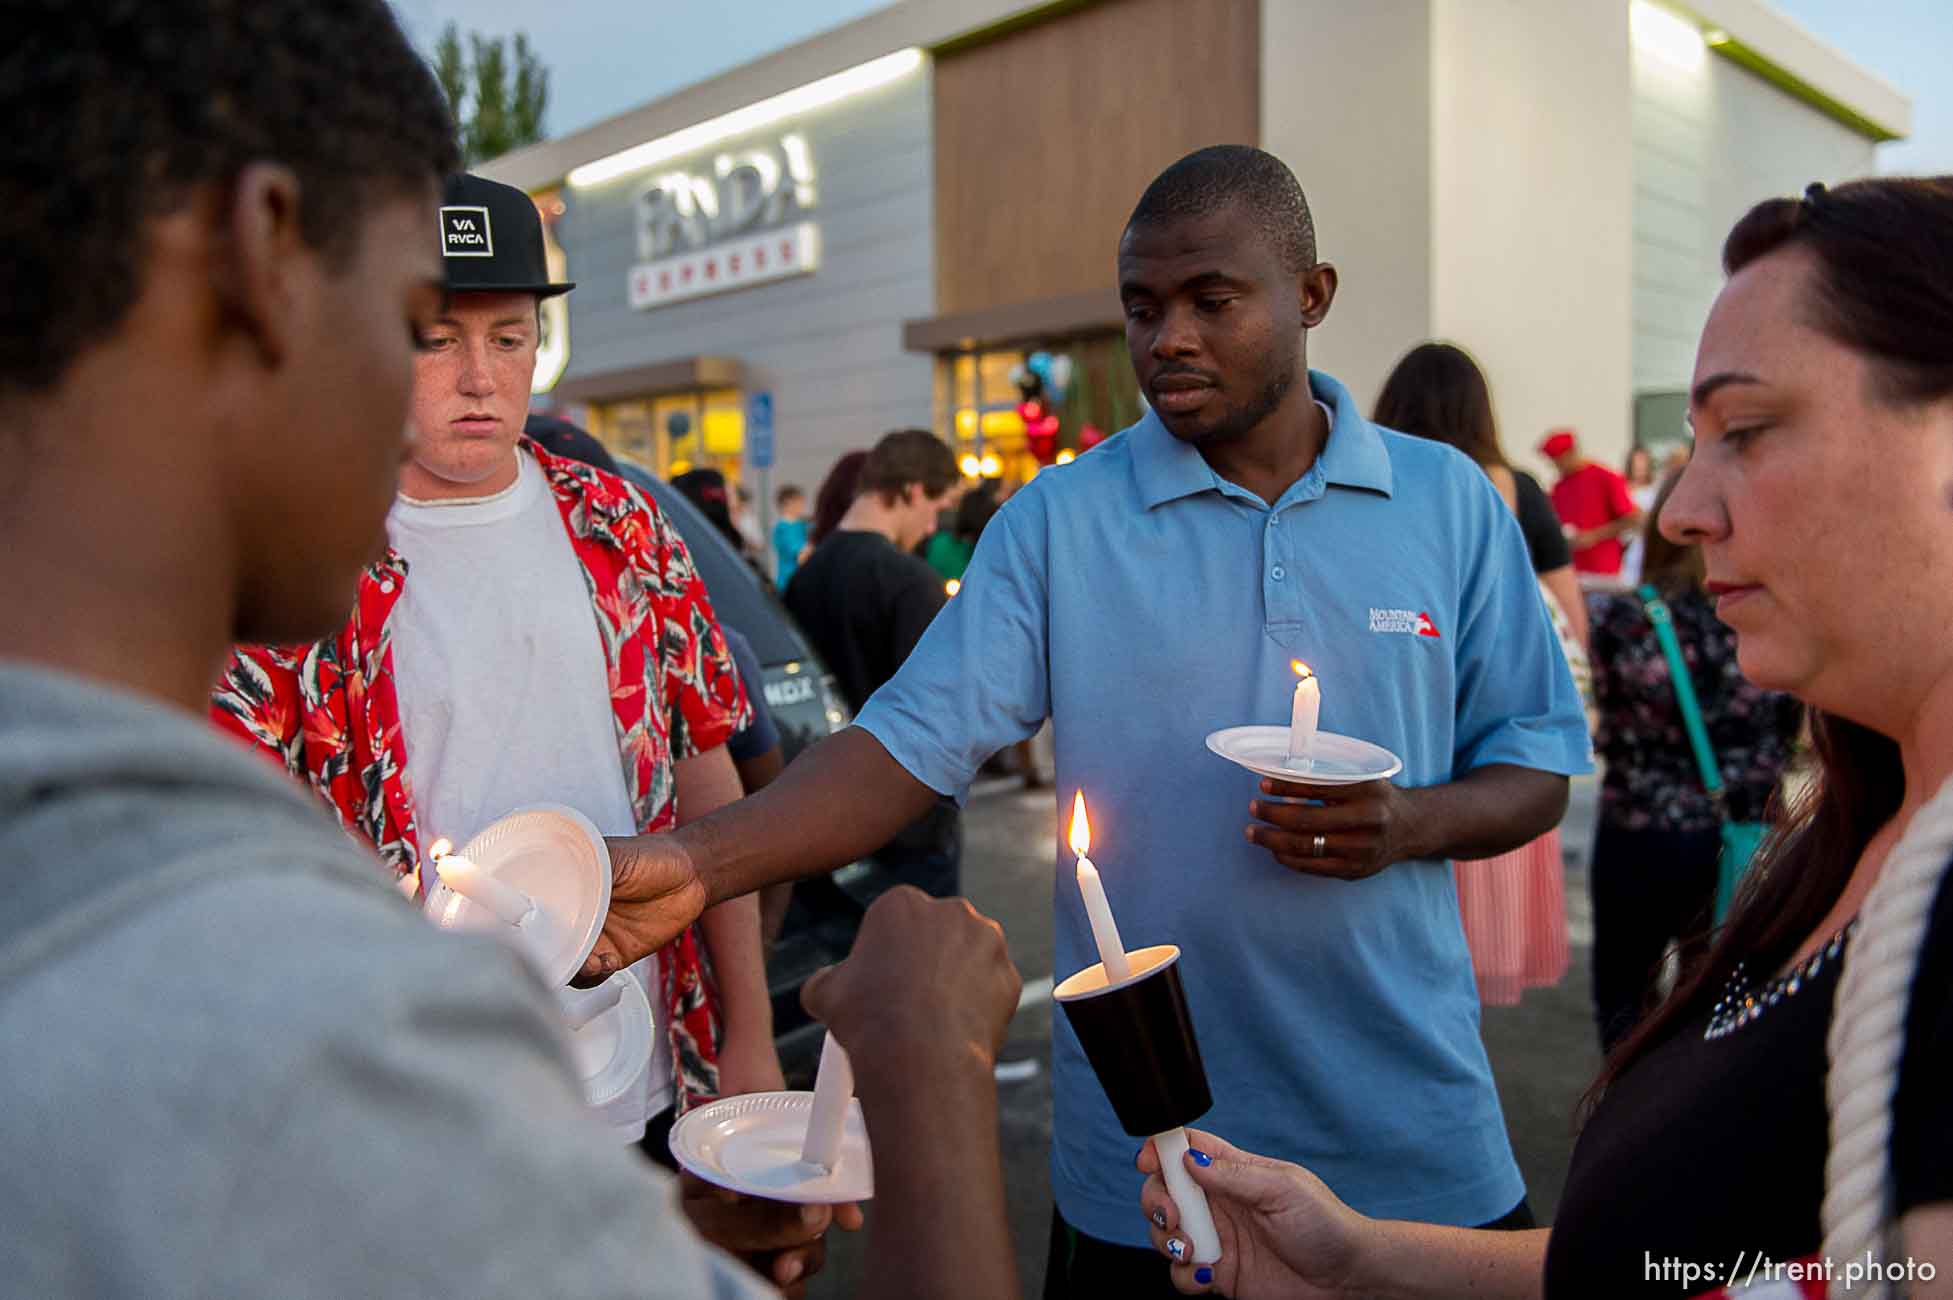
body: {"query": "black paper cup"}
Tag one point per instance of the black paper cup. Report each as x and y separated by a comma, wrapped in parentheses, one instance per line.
(1139, 1037)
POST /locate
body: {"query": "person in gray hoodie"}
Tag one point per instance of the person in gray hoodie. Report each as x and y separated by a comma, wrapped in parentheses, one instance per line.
(235, 1061)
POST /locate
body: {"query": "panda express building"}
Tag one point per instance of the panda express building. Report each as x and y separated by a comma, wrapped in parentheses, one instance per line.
(883, 225)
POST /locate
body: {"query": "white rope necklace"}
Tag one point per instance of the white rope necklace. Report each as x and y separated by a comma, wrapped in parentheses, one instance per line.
(1867, 1037)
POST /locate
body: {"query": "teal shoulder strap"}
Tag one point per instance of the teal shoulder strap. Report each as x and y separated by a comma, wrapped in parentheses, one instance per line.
(1678, 672)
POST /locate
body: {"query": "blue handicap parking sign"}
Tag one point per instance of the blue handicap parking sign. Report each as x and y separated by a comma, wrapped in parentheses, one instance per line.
(759, 430)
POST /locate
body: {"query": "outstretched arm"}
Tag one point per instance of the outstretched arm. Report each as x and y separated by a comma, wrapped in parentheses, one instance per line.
(1284, 1233)
(841, 799)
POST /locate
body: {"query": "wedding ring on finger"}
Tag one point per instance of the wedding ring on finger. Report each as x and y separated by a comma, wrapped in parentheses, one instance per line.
(1322, 847)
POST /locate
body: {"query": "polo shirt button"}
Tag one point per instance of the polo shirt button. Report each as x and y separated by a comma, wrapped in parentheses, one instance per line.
(1279, 573)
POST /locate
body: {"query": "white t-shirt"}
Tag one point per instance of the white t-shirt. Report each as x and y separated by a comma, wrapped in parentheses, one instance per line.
(504, 690)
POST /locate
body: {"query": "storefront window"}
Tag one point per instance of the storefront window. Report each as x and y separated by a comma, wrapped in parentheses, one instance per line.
(995, 385)
(964, 370)
(983, 400)
(675, 432)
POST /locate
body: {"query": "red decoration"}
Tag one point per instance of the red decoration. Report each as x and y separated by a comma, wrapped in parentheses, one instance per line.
(1040, 430)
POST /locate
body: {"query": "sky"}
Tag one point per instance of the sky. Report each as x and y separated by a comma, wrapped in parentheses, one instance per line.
(605, 56)
(1904, 43)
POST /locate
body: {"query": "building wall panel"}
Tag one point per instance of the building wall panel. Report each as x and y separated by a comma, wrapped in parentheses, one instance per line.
(827, 345)
(1046, 137)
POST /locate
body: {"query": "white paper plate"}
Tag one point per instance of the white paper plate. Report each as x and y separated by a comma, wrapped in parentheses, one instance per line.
(751, 1144)
(556, 856)
(1337, 760)
(615, 1048)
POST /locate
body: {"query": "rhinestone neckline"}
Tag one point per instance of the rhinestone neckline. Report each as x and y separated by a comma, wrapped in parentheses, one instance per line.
(1741, 1004)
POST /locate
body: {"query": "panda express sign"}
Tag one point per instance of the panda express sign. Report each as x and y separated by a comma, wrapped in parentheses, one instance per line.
(740, 225)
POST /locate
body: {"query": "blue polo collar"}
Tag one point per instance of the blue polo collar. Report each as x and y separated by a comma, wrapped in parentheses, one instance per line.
(1167, 469)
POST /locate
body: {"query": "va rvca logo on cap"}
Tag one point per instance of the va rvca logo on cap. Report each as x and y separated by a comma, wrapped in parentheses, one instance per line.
(465, 233)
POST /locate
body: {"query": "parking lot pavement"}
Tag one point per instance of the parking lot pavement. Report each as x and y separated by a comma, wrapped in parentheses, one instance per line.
(1543, 1052)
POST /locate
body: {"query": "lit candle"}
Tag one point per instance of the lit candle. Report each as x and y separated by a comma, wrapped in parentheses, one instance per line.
(477, 886)
(1195, 1218)
(1303, 715)
(833, 1090)
(1104, 931)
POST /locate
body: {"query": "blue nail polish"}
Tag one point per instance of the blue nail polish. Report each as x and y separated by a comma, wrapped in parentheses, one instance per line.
(1201, 1158)
(1203, 1275)
(1176, 1248)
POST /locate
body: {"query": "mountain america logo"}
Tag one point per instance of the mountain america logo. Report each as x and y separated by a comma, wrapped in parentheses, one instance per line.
(1408, 622)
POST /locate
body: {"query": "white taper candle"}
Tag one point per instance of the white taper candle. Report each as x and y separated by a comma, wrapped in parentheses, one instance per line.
(1105, 931)
(1303, 716)
(477, 886)
(833, 1090)
(1112, 952)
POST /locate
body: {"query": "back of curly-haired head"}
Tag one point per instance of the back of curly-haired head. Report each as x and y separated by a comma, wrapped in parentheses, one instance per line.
(1224, 175)
(118, 110)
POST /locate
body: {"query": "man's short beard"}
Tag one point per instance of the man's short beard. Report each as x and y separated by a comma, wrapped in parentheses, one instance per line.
(1236, 423)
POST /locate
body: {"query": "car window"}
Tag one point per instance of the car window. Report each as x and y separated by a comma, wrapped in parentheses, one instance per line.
(737, 596)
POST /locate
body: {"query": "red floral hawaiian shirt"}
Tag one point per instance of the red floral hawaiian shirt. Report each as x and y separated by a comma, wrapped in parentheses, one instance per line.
(329, 713)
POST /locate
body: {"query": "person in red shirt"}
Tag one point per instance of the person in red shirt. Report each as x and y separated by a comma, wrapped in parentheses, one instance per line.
(1593, 502)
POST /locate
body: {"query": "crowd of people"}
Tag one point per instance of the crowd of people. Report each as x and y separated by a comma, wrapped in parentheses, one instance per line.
(265, 649)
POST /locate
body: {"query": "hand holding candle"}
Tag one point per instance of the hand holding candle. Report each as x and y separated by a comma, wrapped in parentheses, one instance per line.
(1303, 716)
(477, 886)
(1104, 932)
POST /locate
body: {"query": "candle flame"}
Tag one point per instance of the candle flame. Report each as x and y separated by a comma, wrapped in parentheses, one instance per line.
(1302, 670)
(440, 849)
(1081, 826)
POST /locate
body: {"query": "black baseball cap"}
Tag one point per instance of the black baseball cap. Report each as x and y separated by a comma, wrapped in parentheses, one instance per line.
(492, 239)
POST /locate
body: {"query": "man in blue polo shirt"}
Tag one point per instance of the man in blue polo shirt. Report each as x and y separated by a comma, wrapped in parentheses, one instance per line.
(1154, 591)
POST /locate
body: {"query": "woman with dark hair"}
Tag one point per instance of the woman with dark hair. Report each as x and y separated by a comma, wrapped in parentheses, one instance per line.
(1644, 483)
(1438, 392)
(837, 493)
(1658, 836)
(1640, 470)
(1513, 906)
(1789, 1101)
(706, 489)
